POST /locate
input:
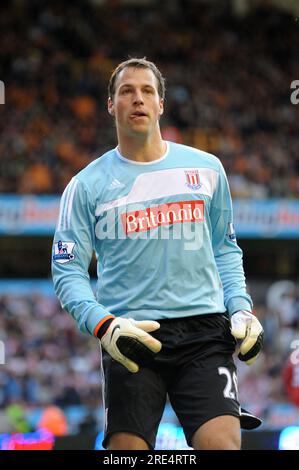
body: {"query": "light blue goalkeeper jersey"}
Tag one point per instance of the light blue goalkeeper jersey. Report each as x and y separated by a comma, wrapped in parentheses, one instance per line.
(163, 236)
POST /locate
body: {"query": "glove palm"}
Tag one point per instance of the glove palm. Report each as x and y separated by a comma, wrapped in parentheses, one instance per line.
(128, 342)
(246, 327)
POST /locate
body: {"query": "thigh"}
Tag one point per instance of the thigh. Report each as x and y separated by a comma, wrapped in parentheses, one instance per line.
(220, 433)
(133, 403)
(126, 441)
(203, 390)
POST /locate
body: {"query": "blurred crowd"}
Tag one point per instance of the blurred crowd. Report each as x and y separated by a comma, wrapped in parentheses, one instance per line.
(228, 88)
(49, 363)
(274, 378)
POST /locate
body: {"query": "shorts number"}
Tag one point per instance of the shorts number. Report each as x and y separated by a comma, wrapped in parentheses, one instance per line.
(231, 387)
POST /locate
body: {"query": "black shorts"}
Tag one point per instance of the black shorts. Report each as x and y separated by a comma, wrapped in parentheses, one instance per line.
(194, 368)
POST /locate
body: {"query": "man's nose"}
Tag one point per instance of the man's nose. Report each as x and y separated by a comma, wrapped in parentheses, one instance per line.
(138, 98)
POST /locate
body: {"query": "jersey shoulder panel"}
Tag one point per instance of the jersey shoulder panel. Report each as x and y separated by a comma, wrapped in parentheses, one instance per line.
(192, 155)
(97, 171)
(100, 164)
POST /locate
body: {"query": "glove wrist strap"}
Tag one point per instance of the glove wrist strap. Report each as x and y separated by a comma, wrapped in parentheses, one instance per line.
(104, 327)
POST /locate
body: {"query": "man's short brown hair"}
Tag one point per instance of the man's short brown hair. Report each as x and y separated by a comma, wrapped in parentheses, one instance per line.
(137, 63)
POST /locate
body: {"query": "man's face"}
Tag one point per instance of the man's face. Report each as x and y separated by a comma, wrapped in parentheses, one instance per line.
(136, 105)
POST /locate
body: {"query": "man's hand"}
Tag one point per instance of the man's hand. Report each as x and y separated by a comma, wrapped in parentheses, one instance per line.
(128, 342)
(246, 326)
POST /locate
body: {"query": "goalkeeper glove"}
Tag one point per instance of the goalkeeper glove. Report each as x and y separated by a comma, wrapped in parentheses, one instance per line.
(128, 342)
(246, 327)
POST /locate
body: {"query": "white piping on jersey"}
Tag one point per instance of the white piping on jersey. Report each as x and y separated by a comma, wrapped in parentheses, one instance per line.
(163, 183)
(143, 163)
(66, 205)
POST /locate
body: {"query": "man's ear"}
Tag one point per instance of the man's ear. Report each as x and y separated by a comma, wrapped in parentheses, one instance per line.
(110, 107)
(161, 110)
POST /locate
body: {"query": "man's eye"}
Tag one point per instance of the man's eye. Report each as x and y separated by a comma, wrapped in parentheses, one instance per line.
(125, 91)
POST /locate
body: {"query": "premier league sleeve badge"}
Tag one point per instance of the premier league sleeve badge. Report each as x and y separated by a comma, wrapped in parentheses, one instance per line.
(63, 252)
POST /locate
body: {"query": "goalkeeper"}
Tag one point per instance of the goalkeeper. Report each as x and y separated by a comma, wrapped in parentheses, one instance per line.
(171, 302)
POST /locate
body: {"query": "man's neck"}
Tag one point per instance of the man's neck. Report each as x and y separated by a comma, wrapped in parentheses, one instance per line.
(142, 150)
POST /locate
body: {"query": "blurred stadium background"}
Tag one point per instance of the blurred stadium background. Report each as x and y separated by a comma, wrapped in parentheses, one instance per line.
(229, 67)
